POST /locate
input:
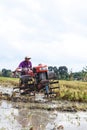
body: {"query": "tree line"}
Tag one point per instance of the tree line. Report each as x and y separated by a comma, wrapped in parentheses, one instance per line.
(61, 72)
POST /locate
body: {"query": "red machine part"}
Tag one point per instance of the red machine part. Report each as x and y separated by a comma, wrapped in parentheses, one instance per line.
(30, 72)
(41, 68)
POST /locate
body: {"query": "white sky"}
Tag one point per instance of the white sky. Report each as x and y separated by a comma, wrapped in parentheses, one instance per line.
(52, 32)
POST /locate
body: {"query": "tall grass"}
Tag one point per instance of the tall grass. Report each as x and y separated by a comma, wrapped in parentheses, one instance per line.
(73, 91)
(9, 81)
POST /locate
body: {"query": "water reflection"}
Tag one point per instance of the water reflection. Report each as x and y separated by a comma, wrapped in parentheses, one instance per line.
(7, 119)
(72, 121)
(22, 119)
(36, 118)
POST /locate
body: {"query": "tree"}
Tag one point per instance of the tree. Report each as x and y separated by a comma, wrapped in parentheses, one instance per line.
(77, 75)
(50, 68)
(63, 72)
(56, 71)
(84, 73)
(6, 73)
(52, 72)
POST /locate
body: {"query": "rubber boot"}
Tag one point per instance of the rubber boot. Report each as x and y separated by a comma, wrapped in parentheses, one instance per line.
(47, 90)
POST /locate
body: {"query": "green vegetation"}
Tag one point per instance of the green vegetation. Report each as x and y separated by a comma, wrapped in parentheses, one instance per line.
(62, 73)
(7, 80)
(6, 73)
(72, 91)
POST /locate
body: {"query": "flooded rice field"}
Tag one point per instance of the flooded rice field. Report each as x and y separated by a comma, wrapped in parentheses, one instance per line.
(31, 115)
(13, 118)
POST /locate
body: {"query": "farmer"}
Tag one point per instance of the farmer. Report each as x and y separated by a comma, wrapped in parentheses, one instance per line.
(25, 65)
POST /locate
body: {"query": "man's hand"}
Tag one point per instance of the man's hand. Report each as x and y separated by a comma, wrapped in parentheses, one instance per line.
(18, 70)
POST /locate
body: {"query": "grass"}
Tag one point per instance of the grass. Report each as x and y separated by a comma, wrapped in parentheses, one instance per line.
(73, 91)
(9, 81)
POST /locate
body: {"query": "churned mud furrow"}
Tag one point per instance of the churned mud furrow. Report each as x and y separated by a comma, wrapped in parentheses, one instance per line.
(39, 101)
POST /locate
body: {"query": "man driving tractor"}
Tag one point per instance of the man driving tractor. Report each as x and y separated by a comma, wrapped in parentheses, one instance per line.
(39, 73)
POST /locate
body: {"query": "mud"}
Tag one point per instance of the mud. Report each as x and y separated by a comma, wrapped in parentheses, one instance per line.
(39, 113)
(40, 101)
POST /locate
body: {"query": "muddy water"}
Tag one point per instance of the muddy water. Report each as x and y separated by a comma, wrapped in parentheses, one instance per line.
(19, 116)
(22, 119)
(13, 118)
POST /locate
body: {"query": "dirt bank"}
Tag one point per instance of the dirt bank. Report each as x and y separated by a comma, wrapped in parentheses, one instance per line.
(53, 105)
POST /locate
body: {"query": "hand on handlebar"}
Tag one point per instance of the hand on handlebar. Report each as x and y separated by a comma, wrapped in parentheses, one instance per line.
(18, 70)
(23, 69)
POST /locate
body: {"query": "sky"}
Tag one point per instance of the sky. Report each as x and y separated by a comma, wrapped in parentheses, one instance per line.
(51, 32)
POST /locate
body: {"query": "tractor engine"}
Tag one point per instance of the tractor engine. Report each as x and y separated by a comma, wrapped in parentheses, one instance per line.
(41, 72)
(41, 76)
